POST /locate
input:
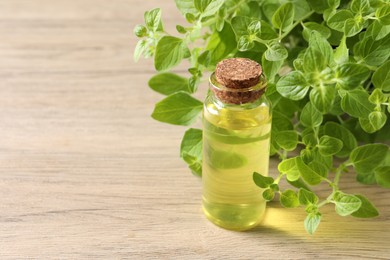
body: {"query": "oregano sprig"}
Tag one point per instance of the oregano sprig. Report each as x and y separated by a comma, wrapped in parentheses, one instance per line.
(328, 71)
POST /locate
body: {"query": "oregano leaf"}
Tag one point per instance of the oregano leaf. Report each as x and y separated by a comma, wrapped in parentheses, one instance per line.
(289, 199)
(283, 17)
(312, 222)
(310, 116)
(346, 204)
(381, 77)
(261, 180)
(366, 157)
(169, 52)
(310, 176)
(366, 210)
(169, 83)
(307, 197)
(382, 176)
(178, 109)
(329, 145)
(293, 86)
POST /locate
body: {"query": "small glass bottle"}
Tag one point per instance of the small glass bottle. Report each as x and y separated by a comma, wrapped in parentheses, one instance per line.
(236, 141)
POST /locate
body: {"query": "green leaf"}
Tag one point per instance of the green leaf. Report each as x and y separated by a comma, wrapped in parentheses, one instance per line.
(153, 20)
(314, 61)
(366, 210)
(168, 83)
(381, 77)
(377, 30)
(288, 140)
(245, 43)
(180, 29)
(352, 27)
(140, 31)
(319, 43)
(309, 140)
(329, 145)
(309, 27)
(293, 86)
(194, 164)
(318, 6)
(287, 165)
(177, 109)
(377, 97)
(186, 6)
(312, 222)
(322, 98)
(191, 150)
(307, 173)
(307, 197)
(337, 20)
(254, 28)
(208, 7)
(376, 120)
(360, 6)
(367, 178)
(169, 52)
(293, 176)
(274, 187)
(340, 132)
(192, 143)
(190, 18)
(262, 181)
(140, 48)
(342, 53)
(310, 116)
(319, 167)
(301, 9)
(373, 53)
(275, 51)
(346, 204)
(289, 199)
(240, 25)
(382, 176)
(267, 32)
(367, 157)
(283, 17)
(271, 68)
(221, 44)
(268, 194)
(351, 75)
(383, 14)
(355, 103)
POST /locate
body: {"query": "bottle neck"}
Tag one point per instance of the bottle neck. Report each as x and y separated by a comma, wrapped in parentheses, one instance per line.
(236, 96)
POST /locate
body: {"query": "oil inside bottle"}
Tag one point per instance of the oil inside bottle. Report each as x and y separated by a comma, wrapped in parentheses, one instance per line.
(235, 144)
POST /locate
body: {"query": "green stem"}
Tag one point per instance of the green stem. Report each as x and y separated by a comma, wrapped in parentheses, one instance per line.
(281, 155)
(340, 119)
(277, 180)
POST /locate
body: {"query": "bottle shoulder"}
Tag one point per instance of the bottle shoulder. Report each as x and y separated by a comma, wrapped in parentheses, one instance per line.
(242, 116)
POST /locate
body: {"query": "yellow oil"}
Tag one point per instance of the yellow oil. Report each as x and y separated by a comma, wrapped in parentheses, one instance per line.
(236, 143)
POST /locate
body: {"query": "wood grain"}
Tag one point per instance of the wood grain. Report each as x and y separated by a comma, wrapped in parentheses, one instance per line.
(85, 173)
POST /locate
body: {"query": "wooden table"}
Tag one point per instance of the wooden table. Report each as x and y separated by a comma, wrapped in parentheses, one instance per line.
(86, 173)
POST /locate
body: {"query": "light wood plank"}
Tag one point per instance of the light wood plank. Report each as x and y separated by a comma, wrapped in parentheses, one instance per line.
(85, 173)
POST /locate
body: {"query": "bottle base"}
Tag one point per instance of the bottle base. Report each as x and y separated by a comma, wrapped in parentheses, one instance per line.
(237, 217)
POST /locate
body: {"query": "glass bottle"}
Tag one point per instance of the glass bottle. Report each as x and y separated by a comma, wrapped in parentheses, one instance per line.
(236, 140)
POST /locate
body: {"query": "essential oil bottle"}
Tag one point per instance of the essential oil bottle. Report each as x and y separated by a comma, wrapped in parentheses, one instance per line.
(236, 139)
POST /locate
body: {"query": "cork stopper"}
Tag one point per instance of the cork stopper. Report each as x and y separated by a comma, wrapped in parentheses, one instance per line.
(238, 81)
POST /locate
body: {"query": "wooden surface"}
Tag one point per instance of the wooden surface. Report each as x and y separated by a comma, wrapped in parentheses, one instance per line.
(85, 173)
